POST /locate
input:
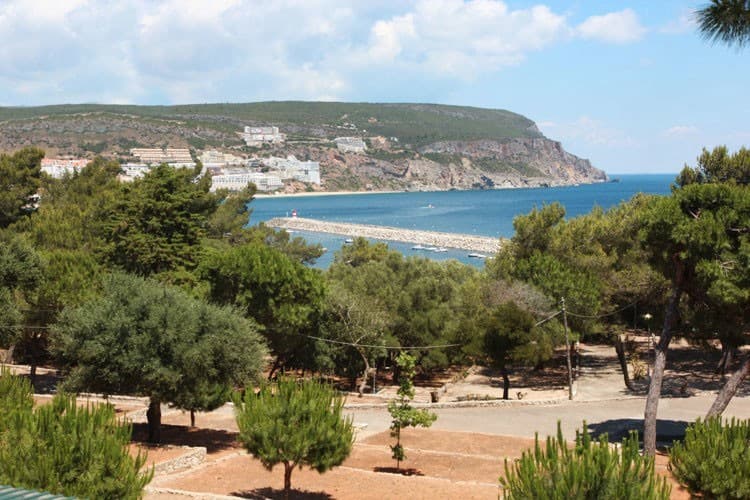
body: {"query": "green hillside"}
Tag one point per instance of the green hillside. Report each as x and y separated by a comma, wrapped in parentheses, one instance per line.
(415, 124)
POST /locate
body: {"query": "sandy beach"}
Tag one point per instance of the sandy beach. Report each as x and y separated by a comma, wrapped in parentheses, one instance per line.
(320, 193)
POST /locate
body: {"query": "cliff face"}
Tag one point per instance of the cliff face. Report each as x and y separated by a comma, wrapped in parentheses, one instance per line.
(483, 164)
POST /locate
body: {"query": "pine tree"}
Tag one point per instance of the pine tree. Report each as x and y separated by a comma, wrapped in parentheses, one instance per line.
(401, 410)
(590, 469)
(296, 424)
(64, 448)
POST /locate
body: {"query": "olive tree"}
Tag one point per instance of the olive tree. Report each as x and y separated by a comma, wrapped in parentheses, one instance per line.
(141, 337)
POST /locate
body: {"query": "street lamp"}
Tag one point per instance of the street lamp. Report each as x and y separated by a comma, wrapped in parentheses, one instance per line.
(652, 352)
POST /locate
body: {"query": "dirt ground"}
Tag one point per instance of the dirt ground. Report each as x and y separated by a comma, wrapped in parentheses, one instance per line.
(439, 464)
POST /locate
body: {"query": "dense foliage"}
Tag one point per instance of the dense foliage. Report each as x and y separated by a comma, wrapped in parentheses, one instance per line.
(294, 423)
(281, 294)
(713, 461)
(591, 468)
(20, 175)
(65, 448)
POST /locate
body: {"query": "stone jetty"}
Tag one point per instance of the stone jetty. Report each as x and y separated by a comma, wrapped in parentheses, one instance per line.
(480, 244)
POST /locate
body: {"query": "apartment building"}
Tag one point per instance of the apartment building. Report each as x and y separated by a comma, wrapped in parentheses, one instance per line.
(156, 156)
(257, 136)
(59, 167)
(235, 180)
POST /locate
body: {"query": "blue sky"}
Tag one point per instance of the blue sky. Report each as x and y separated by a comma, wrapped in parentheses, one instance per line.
(629, 85)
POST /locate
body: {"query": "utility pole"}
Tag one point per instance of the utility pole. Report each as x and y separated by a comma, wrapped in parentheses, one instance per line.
(567, 349)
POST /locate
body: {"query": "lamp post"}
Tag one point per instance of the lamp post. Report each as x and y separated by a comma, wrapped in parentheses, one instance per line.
(648, 317)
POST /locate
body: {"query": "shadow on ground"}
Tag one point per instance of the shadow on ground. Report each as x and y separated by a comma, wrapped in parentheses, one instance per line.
(213, 440)
(262, 493)
(402, 471)
(667, 431)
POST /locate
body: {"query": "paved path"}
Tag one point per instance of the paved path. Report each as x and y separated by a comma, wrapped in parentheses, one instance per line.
(601, 401)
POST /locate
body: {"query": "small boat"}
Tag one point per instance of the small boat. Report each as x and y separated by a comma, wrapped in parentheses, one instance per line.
(430, 249)
(477, 256)
(418, 247)
(349, 241)
(440, 250)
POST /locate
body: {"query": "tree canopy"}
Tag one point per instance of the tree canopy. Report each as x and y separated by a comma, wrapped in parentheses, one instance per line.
(726, 21)
(294, 423)
(141, 337)
(20, 178)
(282, 295)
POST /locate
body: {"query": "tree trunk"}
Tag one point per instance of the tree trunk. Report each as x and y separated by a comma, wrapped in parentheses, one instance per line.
(730, 389)
(660, 362)
(192, 418)
(726, 359)
(276, 365)
(153, 416)
(620, 350)
(288, 468)
(366, 372)
(506, 381)
(9, 355)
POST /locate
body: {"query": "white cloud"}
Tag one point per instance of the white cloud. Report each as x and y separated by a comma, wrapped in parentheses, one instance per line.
(198, 51)
(684, 23)
(681, 131)
(457, 38)
(615, 27)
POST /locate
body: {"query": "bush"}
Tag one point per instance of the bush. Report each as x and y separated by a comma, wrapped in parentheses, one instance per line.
(65, 449)
(589, 469)
(714, 459)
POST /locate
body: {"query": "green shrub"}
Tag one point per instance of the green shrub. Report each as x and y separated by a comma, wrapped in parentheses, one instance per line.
(65, 449)
(714, 459)
(589, 469)
(15, 396)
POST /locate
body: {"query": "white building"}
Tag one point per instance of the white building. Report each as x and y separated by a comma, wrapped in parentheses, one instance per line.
(58, 168)
(172, 156)
(132, 171)
(350, 144)
(235, 180)
(292, 168)
(256, 136)
(213, 157)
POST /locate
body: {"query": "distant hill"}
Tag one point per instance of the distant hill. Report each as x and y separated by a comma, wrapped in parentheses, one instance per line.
(419, 146)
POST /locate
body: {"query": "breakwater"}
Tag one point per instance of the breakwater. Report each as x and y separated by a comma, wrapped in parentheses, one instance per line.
(480, 244)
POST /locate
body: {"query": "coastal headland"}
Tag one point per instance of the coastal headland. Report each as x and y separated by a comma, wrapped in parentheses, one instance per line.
(481, 244)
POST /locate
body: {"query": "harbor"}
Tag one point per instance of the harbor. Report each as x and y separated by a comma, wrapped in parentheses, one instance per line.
(480, 245)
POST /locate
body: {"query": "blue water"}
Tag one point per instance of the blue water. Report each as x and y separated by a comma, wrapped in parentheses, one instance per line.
(487, 213)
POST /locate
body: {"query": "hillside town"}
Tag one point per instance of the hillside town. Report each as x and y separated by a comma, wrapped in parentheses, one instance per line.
(227, 171)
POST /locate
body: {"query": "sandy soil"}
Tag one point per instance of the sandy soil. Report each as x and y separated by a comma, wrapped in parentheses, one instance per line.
(318, 193)
(439, 464)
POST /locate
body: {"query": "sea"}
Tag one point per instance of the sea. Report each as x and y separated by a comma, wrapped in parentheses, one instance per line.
(486, 213)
